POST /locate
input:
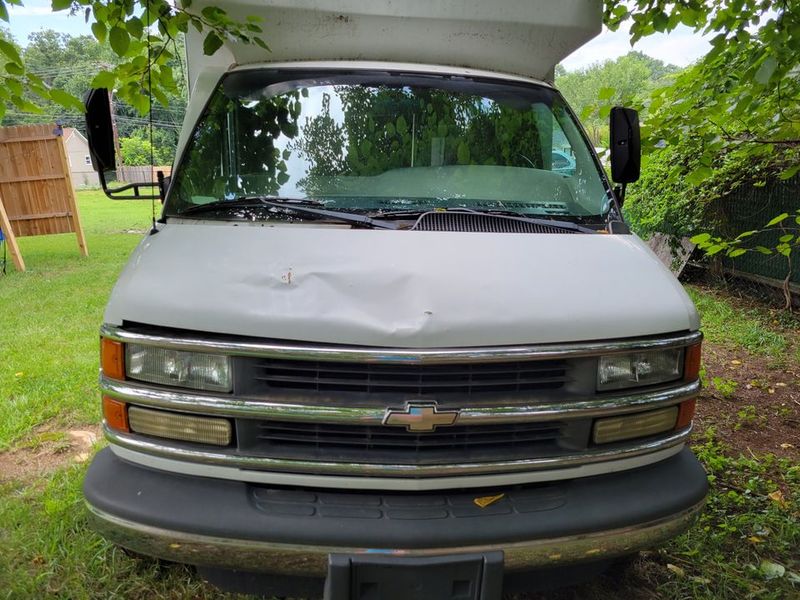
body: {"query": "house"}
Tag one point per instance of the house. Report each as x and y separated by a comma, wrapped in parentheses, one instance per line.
(80, 162)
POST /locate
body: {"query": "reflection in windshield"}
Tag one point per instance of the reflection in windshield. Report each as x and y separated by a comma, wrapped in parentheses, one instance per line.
(375, 142)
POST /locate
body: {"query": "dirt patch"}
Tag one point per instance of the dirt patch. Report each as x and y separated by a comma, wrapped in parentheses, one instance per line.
(753, 407)
(46, 451)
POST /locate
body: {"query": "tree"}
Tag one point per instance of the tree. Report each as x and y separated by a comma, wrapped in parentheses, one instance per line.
(142, 34)
(137, 150)
(624, 81)
(732, 117)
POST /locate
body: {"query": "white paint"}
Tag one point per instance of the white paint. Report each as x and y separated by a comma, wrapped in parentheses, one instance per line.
(406, 484)
(516, 36)
(398, 288)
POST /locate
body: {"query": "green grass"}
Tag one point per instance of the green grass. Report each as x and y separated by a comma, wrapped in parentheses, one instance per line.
(750, 523)
(51, 314)
(755, 329)
(48, 380)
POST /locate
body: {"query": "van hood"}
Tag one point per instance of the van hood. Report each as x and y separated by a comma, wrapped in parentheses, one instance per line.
(411, 289)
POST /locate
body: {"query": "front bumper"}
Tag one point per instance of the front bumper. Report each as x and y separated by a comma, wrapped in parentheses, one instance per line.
(290, 531)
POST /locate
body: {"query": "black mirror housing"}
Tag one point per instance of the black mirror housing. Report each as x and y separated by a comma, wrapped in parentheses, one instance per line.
(100, 135)
(100, 130)
(626, 145)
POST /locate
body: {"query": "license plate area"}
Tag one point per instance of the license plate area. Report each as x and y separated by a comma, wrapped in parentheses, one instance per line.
(380, 577)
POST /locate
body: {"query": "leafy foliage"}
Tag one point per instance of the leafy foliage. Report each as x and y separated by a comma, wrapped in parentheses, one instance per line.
(141, 33)
(593, 90)
(137, 149)
(733, 117)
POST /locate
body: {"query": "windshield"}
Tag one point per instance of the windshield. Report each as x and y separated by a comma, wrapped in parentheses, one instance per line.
(384, 142)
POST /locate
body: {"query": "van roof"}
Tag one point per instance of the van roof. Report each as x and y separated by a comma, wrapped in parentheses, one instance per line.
(523, 37)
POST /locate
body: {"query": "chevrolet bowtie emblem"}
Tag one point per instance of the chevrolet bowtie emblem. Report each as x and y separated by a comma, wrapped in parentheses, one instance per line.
(419, 416)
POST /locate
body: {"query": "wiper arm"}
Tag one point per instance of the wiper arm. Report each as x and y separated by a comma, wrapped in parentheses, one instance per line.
(307, 207)
(546, 221)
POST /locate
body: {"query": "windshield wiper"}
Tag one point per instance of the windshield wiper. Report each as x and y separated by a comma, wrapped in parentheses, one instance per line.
(543, 221)
(305, 207)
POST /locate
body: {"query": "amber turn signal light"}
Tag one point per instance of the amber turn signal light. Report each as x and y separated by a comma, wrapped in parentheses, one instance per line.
(685, 414)
(115, 414)
(691, 363)
(112, 358)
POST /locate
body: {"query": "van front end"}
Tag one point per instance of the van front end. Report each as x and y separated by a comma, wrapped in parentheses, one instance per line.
(391, 339)
(313, 457)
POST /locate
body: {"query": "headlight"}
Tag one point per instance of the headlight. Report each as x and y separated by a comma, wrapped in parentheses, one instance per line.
(210, 372)
(637, 369)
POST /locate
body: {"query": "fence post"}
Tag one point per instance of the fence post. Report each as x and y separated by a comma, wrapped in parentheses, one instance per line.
(11, 240)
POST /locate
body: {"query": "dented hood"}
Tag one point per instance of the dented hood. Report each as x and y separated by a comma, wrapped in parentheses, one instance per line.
(398, 288)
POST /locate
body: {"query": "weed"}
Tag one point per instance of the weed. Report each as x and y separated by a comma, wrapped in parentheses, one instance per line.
(726, 387)
(747, 416)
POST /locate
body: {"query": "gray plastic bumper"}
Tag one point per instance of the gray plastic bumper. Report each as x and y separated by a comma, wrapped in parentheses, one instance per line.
(236, 525)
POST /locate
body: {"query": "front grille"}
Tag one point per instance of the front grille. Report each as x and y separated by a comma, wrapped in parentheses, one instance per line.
(385, 444)
(410, 380)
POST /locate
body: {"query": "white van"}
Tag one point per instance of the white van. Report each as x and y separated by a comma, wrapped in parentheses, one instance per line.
(390, 337)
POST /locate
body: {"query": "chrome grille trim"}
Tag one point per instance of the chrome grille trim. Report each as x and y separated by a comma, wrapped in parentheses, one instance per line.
(331, 409)
(197, 455)
(237, 346)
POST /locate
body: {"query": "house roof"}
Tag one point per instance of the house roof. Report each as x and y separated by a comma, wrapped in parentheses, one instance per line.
(70, 131)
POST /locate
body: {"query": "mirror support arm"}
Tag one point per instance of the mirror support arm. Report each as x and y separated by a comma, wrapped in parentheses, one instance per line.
(117, 193)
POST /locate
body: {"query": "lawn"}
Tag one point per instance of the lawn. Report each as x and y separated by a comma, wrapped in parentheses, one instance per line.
(746, 544)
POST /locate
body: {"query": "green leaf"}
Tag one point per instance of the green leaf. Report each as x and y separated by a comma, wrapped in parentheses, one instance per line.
(282, 178)
(100, 31)
(135, 27)
(104, 79)
(119, 40)
(766, 70)
(771, 570)
(67, 100)
(213, 13)
(714, 248)
(699, 175)
(763, 250)
(212, 43)
(605, 93)
(746, 234)
(10, 51)
(700, 238)
(736, 252)
(60, 4)
(14, 69)
(790, 172)
(786, 238)
(779, 219)
(3, 16)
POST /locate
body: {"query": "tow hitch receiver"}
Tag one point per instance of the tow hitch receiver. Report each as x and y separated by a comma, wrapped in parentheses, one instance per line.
(381, 577)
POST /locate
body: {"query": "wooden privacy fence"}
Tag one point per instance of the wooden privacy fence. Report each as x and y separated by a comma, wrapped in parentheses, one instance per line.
(141, 174)
(36, 194)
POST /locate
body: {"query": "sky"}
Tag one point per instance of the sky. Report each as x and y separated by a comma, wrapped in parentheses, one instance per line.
(681, 47)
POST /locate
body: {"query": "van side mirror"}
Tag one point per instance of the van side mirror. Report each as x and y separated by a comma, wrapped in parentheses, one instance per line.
(100, 135)
(626, 145)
